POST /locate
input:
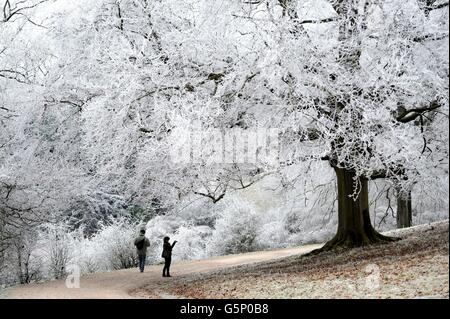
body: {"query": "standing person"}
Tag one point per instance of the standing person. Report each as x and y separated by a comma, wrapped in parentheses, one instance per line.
(141, 242)
(167, 255)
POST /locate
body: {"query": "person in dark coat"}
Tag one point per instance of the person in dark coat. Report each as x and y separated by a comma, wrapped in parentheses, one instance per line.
(167, 255)
(142, 243)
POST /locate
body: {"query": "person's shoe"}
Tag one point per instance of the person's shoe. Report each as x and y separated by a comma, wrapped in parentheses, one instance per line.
(164, 275)
(168, 276)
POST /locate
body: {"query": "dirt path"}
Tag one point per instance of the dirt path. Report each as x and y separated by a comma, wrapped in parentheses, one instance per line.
(122, 284)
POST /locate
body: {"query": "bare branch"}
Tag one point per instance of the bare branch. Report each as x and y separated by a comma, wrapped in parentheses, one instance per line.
(15, 75)
(8, 13)
(326, 20)
(119, 14)
(410, 115)
(430, 37)
(429, 5)
(388, 209)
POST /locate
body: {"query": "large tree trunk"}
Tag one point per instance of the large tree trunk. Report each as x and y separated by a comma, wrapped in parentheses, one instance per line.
(404, 209)
(354, 226)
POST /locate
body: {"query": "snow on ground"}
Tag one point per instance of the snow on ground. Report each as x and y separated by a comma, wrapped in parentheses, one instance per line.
(415, 267)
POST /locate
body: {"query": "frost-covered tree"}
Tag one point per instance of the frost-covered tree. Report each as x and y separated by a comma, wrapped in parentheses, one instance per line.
(360, 84)
(360, 97)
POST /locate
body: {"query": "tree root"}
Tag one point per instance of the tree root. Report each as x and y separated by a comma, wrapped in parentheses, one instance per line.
(343, 242)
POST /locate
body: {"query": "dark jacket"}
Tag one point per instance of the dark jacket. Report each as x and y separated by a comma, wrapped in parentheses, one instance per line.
(143, 251)
(167, 250)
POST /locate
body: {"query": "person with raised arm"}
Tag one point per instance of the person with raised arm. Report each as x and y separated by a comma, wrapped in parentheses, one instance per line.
(167, 255)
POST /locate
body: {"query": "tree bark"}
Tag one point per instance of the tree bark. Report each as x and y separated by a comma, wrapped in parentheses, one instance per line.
(354, 226)
(404, 209)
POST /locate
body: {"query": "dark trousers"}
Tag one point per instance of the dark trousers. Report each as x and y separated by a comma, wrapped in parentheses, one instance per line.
(141, 262)
(167, 262)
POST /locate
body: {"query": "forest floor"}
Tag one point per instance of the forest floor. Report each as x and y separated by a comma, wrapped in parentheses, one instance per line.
(415, 267)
